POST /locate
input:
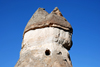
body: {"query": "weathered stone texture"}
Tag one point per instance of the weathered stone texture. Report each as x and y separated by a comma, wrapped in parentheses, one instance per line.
(46, 41)
(41, 19)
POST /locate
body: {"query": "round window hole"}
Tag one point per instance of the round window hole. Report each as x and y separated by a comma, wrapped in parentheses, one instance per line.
(47, 52)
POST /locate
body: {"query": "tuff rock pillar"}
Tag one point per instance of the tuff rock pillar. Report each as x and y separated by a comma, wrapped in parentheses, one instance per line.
(46, 41)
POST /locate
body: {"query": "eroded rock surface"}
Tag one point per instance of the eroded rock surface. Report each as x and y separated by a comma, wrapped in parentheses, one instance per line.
(46, 41)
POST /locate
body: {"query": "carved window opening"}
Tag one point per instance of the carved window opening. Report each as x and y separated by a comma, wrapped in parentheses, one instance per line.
(47, 52)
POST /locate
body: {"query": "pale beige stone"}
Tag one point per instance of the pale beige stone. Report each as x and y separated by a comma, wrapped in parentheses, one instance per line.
(46, 41)
(45, 35)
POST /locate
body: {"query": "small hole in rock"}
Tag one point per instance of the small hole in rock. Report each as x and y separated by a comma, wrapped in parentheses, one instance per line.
(59, 53)
(65, 60)
(47, 52)
(69, 57)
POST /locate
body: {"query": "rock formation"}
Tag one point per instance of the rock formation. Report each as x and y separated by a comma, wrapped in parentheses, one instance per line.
(46, 41)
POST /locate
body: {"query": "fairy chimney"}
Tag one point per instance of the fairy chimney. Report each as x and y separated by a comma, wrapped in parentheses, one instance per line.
(46, 41)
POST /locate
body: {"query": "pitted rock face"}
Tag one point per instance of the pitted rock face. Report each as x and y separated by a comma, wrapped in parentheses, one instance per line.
(46, 46)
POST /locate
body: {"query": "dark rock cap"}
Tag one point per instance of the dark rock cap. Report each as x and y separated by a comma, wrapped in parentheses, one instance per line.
(41, 19)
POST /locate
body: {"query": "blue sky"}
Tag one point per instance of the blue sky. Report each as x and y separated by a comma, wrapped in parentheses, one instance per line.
(83, 15)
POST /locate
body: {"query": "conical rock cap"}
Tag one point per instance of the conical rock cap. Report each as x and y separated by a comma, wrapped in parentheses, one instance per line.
(41, 19)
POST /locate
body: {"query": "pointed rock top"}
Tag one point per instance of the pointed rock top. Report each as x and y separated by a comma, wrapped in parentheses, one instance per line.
(57, 11)
(41, 19)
